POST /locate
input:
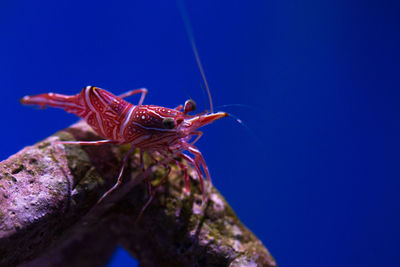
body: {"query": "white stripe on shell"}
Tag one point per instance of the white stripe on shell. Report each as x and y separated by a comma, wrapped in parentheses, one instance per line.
(98, 117)
(156, 114)
(100, 98)
(115, 133)
(126, 120)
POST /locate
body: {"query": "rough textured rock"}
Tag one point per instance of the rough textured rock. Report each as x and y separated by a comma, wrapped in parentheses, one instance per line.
(47, 214)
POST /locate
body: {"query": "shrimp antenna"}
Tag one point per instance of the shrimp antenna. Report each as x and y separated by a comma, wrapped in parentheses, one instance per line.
(246, 127)
(189, 32)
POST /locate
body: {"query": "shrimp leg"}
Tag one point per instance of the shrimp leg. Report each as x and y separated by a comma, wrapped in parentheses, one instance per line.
(199, 135)
(119, 179)
(199, 159)
(143, 91)
(185, 175)
(196, 165)
(87, 143)
(153, 193)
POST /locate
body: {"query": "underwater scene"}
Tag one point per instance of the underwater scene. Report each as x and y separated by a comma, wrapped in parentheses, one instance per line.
(297, 102)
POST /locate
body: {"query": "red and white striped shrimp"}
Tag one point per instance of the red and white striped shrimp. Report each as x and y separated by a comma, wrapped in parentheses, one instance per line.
(150, 128)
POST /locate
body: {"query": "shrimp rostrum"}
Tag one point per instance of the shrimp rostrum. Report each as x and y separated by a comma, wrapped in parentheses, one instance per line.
(152, 129)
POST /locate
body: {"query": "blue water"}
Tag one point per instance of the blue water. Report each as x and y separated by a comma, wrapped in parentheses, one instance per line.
(122, 258)
(321, 188)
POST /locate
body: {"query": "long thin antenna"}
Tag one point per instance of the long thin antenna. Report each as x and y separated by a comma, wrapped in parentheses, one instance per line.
(189, 32)
(247, 128)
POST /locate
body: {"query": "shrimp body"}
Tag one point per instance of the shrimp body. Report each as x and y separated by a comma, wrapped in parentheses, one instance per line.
(152, 129)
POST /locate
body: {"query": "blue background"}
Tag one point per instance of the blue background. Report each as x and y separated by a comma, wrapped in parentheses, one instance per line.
(319, 184)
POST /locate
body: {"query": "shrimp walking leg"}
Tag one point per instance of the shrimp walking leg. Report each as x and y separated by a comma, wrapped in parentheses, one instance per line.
(87, 143)
(119, 179)
(199, 158)
(153, 193)
(185, 175)
(199, 135)
(143, 91)
(146, 178)
(196, 165)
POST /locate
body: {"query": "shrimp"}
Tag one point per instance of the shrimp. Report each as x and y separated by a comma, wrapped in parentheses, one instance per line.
(152, 129)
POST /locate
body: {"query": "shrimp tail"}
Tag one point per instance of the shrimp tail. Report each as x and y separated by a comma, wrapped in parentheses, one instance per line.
(68, 103)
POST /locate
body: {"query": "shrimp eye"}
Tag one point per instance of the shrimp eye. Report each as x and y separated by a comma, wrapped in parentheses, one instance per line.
(190, 106)
(169, 123)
